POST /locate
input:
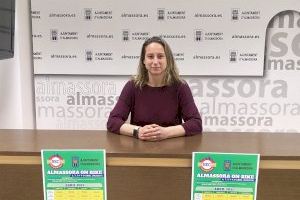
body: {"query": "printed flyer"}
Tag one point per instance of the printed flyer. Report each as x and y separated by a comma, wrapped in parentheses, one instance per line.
(74, 174)
(224, 176)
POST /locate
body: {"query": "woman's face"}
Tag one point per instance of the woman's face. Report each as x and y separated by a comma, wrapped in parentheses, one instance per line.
(155, 59)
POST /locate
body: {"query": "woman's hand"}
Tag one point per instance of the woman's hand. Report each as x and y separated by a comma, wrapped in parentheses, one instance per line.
(153, 132)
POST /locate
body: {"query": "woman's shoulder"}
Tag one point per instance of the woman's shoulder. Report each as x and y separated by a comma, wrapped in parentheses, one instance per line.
(182, 87)
(180, 84)
(130, 84)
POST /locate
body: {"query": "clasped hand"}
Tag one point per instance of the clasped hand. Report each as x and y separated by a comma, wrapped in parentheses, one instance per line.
(152, 132)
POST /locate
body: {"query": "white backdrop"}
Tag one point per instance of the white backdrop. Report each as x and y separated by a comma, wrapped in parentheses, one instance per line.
(269, 103)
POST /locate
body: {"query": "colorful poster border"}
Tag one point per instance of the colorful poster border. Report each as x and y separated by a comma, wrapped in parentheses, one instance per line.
(224, 176)
(74, 174)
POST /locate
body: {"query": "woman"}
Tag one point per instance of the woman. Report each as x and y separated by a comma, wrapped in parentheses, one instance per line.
(157, 99)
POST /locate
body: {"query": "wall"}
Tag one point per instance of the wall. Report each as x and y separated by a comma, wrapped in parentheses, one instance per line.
(16, 76)
(269, 103)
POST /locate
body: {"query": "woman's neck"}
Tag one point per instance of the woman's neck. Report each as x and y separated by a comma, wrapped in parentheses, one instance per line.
(156, 81)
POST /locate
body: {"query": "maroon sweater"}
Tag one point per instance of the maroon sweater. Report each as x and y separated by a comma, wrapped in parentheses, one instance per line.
(165, 106)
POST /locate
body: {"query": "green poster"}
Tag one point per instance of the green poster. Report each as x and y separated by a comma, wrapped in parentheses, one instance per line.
(224, 176)
(74, 174)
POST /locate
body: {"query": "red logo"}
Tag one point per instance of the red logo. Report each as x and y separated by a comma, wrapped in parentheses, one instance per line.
(207, 164)
(56, 161)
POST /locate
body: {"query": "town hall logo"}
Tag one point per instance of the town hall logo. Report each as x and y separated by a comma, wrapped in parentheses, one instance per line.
(75, 161)
(89, 55)
(234, 14)
(125, 35)
(198, 35)
(88, 14)
(53, 34)
(160, 14)
(227, 165)
(233, 55)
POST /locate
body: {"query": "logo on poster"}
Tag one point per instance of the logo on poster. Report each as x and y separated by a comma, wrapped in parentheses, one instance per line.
(237, 14)
(53, 34)
(125, 35)
(160, 14)
(227, 165)
(75, 161)
(234, 14)
(233, 55)
(163, 14)
(88, 55)
(63, 35)
(198, 35)
(91, 55)
(93, 14)
(56, 161)
(207, 164)
(88, 14)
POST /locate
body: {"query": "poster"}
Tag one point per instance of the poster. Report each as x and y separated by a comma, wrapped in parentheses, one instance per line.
(224, 176)
(74, 174)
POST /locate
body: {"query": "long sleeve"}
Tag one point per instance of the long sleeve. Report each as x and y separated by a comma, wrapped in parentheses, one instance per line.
(190, 114)
(165, 106)
(119, 114)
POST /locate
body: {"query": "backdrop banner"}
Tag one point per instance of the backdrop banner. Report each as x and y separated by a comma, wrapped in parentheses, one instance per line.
(241, 104)
(103, 37)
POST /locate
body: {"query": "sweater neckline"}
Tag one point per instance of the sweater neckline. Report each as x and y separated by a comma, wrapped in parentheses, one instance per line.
(154, 87)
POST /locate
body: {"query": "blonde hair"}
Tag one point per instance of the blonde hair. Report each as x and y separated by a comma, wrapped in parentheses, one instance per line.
(171, 75)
